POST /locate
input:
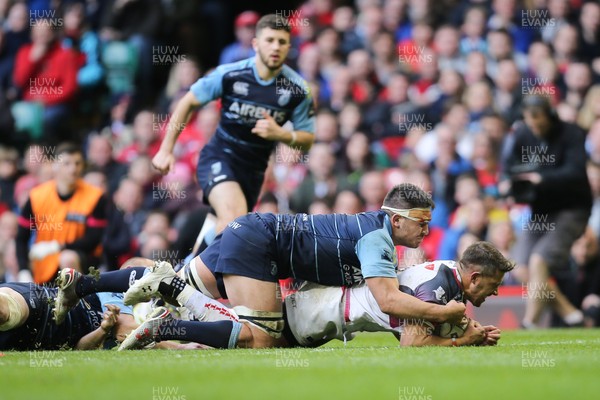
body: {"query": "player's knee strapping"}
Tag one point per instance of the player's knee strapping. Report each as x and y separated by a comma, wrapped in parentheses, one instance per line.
(190, 274)
(269, 322)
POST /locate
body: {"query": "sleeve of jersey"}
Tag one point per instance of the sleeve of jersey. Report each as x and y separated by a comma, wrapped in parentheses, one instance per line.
(210, 87)
(303, 116)
(377, 255)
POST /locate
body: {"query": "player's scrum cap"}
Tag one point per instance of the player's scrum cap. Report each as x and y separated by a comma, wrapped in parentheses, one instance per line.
(414, 214)
(247, 18)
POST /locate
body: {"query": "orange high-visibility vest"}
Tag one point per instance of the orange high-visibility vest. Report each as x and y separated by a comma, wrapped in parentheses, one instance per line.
(63, 221)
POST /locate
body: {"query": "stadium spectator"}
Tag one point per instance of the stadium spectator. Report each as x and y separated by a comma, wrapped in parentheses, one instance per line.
(508, 91)
(578, 79)
(385, 60)
(446, 43)
(558, 14)
(372, 190)
(146, 140)
(125, 221)
(137, 22)
(564, 47)
(9, 174)
(14, 35)
(590, 109)
(475, 68)
(347, 202)
(245, 29)
(45, 72)
(96, 178)
(322, 182)
(473, 30)
(68, 217)
(99, 155)
(8, 233)
(141, 171)
(80, 38)
(358, 158)
(589, 28)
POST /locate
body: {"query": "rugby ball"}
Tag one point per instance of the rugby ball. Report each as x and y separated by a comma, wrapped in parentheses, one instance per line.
(447, 330)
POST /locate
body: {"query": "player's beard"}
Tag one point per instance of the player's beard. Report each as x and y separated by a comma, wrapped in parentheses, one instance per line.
(270, 65)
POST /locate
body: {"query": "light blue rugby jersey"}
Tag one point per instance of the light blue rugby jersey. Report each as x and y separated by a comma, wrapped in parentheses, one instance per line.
(334, 249)
(245, 96)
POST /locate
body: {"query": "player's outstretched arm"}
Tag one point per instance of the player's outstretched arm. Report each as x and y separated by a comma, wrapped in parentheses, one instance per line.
(415, 334)
(94, 339)
(164, 159)
(403, 306)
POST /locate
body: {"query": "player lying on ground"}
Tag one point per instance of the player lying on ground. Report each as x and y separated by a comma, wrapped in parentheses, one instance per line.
(316, 314)
(257, 250)
(26, 320)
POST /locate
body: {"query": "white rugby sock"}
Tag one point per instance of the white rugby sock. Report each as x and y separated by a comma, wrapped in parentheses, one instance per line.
(205, 308)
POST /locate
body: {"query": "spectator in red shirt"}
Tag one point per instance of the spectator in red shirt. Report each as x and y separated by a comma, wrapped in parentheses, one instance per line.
(47, 73)
(146, 133)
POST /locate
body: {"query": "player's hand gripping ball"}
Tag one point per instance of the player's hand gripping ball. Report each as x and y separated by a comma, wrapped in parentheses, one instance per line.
(447, 330)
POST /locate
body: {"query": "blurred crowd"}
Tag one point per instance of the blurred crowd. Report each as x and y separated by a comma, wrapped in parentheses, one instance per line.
(418, 91)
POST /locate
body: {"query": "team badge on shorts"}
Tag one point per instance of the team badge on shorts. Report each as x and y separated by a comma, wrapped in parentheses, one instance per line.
(273, 268)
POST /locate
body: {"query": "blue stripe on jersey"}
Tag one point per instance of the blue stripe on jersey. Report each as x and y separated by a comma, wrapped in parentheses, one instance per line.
(292, 249)
(359, 227)
(338, 245)
(312, 221)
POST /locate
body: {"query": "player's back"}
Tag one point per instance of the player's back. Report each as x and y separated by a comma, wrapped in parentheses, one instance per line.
(322, 248)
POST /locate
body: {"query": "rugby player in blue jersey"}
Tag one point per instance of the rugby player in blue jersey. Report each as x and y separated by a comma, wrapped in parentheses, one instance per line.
(258, 95)
(26, 319)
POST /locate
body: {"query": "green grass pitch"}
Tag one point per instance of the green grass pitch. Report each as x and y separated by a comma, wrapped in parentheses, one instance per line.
(545, 364)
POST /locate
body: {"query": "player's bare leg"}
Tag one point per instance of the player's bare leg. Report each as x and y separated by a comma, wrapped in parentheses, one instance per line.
(229, 202)
(258, 296)
(537, 290)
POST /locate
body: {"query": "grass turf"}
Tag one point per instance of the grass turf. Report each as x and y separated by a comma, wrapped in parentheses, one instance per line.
(548, 364)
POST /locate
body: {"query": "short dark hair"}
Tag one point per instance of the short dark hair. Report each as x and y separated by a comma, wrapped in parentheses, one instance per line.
(273, 21)
(68, 148)
(485, 257)
(407, 195)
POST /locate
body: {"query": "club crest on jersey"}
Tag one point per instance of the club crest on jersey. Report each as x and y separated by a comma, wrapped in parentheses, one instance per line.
(284, 96)
(440, 294)
(240, 88)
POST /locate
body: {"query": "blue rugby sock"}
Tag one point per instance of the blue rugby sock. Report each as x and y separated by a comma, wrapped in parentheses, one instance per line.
(114, 281)
(219, 334)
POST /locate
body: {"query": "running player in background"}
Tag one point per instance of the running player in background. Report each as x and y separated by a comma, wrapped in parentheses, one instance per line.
(258, 95)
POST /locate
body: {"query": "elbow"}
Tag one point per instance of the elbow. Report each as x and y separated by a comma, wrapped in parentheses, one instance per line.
(386, 305)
